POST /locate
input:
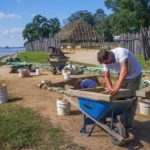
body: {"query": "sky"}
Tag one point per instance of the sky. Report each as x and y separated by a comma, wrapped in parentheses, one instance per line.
(15, 14)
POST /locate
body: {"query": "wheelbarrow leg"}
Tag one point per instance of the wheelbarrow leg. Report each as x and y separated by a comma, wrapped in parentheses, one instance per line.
(87, 121)
(113, 119)
(92, 129)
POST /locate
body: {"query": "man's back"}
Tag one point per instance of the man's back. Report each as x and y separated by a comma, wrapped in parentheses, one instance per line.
(120, 54)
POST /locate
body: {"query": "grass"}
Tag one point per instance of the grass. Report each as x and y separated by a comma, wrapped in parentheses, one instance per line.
(145, 64)
(59, 141)
(24, 128)
(18, 127)
(38, 57)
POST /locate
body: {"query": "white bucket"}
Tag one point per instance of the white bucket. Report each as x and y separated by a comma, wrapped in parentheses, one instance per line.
(24, 73)
(67, 76)
(20, 73)
(38, 71)
(63, 107)
(145, 106)
(63, 71)
(3, 94)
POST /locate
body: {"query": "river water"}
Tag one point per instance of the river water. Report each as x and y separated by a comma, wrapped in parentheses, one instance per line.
(9, 51)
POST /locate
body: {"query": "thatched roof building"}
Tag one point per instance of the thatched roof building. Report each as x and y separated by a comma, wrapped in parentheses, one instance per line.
(78, 32)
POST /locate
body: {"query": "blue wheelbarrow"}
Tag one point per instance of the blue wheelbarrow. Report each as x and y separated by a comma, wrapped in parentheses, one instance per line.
(102, 110)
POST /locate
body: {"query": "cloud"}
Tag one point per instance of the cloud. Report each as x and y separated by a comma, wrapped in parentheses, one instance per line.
(9, 16)
(11, 36)
(19, 1)
(11, 31)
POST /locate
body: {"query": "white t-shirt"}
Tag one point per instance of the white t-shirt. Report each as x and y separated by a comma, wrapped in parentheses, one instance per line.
(134, 68)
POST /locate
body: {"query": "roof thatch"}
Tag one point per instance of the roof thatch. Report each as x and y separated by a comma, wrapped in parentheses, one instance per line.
(78, 31)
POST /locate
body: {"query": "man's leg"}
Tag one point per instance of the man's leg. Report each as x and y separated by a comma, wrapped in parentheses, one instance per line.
(128, 115)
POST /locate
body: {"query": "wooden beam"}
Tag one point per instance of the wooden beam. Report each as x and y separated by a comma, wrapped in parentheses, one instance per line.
(145, 92)
(123, 93)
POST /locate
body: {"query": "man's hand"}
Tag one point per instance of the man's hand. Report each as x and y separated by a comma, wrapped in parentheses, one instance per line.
(107, 90)
(113, 91)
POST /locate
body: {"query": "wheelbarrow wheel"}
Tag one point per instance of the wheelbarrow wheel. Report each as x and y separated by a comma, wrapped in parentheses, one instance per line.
(120, 129)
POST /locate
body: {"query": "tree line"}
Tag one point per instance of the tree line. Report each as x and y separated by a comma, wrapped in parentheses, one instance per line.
(126, 16)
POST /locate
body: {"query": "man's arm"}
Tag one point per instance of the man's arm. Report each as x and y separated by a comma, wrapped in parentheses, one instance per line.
(108, 80)
(122, 76)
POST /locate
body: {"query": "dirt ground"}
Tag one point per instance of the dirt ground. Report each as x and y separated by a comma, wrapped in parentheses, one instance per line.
(25, 92)
(85, 56)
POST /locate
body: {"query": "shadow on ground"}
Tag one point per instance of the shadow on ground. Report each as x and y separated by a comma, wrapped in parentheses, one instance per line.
(14, 99)
(141, 133)
(75, 112)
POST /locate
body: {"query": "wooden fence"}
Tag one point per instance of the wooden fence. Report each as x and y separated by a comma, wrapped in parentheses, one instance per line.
(43, 44)
(137, 43)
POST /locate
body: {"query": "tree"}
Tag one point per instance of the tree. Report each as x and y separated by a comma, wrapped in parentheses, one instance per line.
(42, 25)
(84, 15)
(142, 8)
(99, 16)
(102, 25)
(123, 22)
(41, 28)
(54, 26)
(30, 33)
(129, 15)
